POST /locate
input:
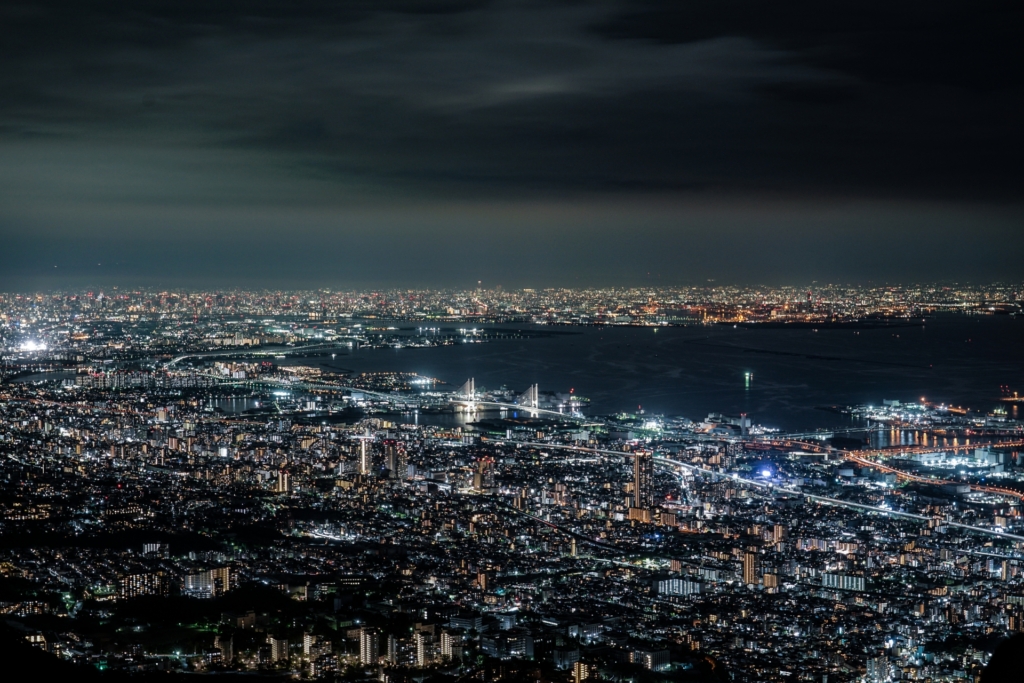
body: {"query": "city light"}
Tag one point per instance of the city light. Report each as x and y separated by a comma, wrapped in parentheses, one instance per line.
(32, 346)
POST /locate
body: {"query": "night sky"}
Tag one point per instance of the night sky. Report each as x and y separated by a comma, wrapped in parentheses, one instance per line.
(378, 143)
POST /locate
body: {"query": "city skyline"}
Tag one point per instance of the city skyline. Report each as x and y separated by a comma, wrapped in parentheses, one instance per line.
(433, 341)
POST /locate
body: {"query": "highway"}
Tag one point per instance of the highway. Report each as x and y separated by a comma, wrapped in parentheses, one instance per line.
(866, 461)
(767, 485)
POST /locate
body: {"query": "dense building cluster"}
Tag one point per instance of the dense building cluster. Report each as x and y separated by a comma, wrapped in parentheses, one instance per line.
(248, 318)
(371, 548)
(169, 505)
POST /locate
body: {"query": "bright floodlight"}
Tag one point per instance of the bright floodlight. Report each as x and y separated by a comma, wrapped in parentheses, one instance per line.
(31, 345)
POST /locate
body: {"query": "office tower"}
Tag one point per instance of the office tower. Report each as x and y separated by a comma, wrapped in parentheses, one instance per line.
(369, 645)
(643, 480)
(581, 672)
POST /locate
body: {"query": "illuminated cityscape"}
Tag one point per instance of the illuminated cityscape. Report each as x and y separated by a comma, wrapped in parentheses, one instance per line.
(505, 341)
(188, 486)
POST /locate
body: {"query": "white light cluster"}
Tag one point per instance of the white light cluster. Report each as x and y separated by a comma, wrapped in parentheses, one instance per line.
(31, 345)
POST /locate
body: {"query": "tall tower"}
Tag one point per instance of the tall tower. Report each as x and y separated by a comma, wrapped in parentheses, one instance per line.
(397, 460)
(531, 398)
(284, 481)
(643, 480)
(424, 649)
(365, 458)
(391, 457)
(392, 650)
(369, 646)
(483, 478)
(749, 568)
(451, 645)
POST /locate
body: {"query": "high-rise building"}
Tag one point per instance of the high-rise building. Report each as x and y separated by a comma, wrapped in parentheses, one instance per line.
(424, 648)
(749, 568)
(392, 650)
(451, 645)
(365, 459)
(278, 649)
(643, 480)
(208, 584)
(483, 477)
(581, 671)
(396, 459)
(226, 646)
(878, 670)
(369, 645)
(284, 482)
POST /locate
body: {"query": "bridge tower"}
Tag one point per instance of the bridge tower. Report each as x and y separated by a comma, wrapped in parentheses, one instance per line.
(468, 389)
(531, 398)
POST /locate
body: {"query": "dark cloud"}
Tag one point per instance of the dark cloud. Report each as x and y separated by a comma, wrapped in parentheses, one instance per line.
(146, 107)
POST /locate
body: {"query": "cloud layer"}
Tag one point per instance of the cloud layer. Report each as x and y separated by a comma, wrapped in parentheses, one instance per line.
(316, 110)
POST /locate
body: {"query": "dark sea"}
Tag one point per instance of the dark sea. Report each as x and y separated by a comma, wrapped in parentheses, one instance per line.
(780, 377)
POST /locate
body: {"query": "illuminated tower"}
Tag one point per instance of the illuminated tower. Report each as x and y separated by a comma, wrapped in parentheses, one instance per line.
(643, 480)
(392, 650)
(365, 457)
(483, 478)
(369, 645)
(397, 460)
(749, 568)
(424, 649)
(284, 482)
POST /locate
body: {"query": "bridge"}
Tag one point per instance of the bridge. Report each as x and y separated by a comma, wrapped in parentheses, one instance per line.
(466, 397)
(397, 401)
(276, 351)
(827, 434)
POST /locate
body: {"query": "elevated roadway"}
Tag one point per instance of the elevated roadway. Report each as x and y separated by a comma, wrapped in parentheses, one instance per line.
(867, 460)
(768, 486)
